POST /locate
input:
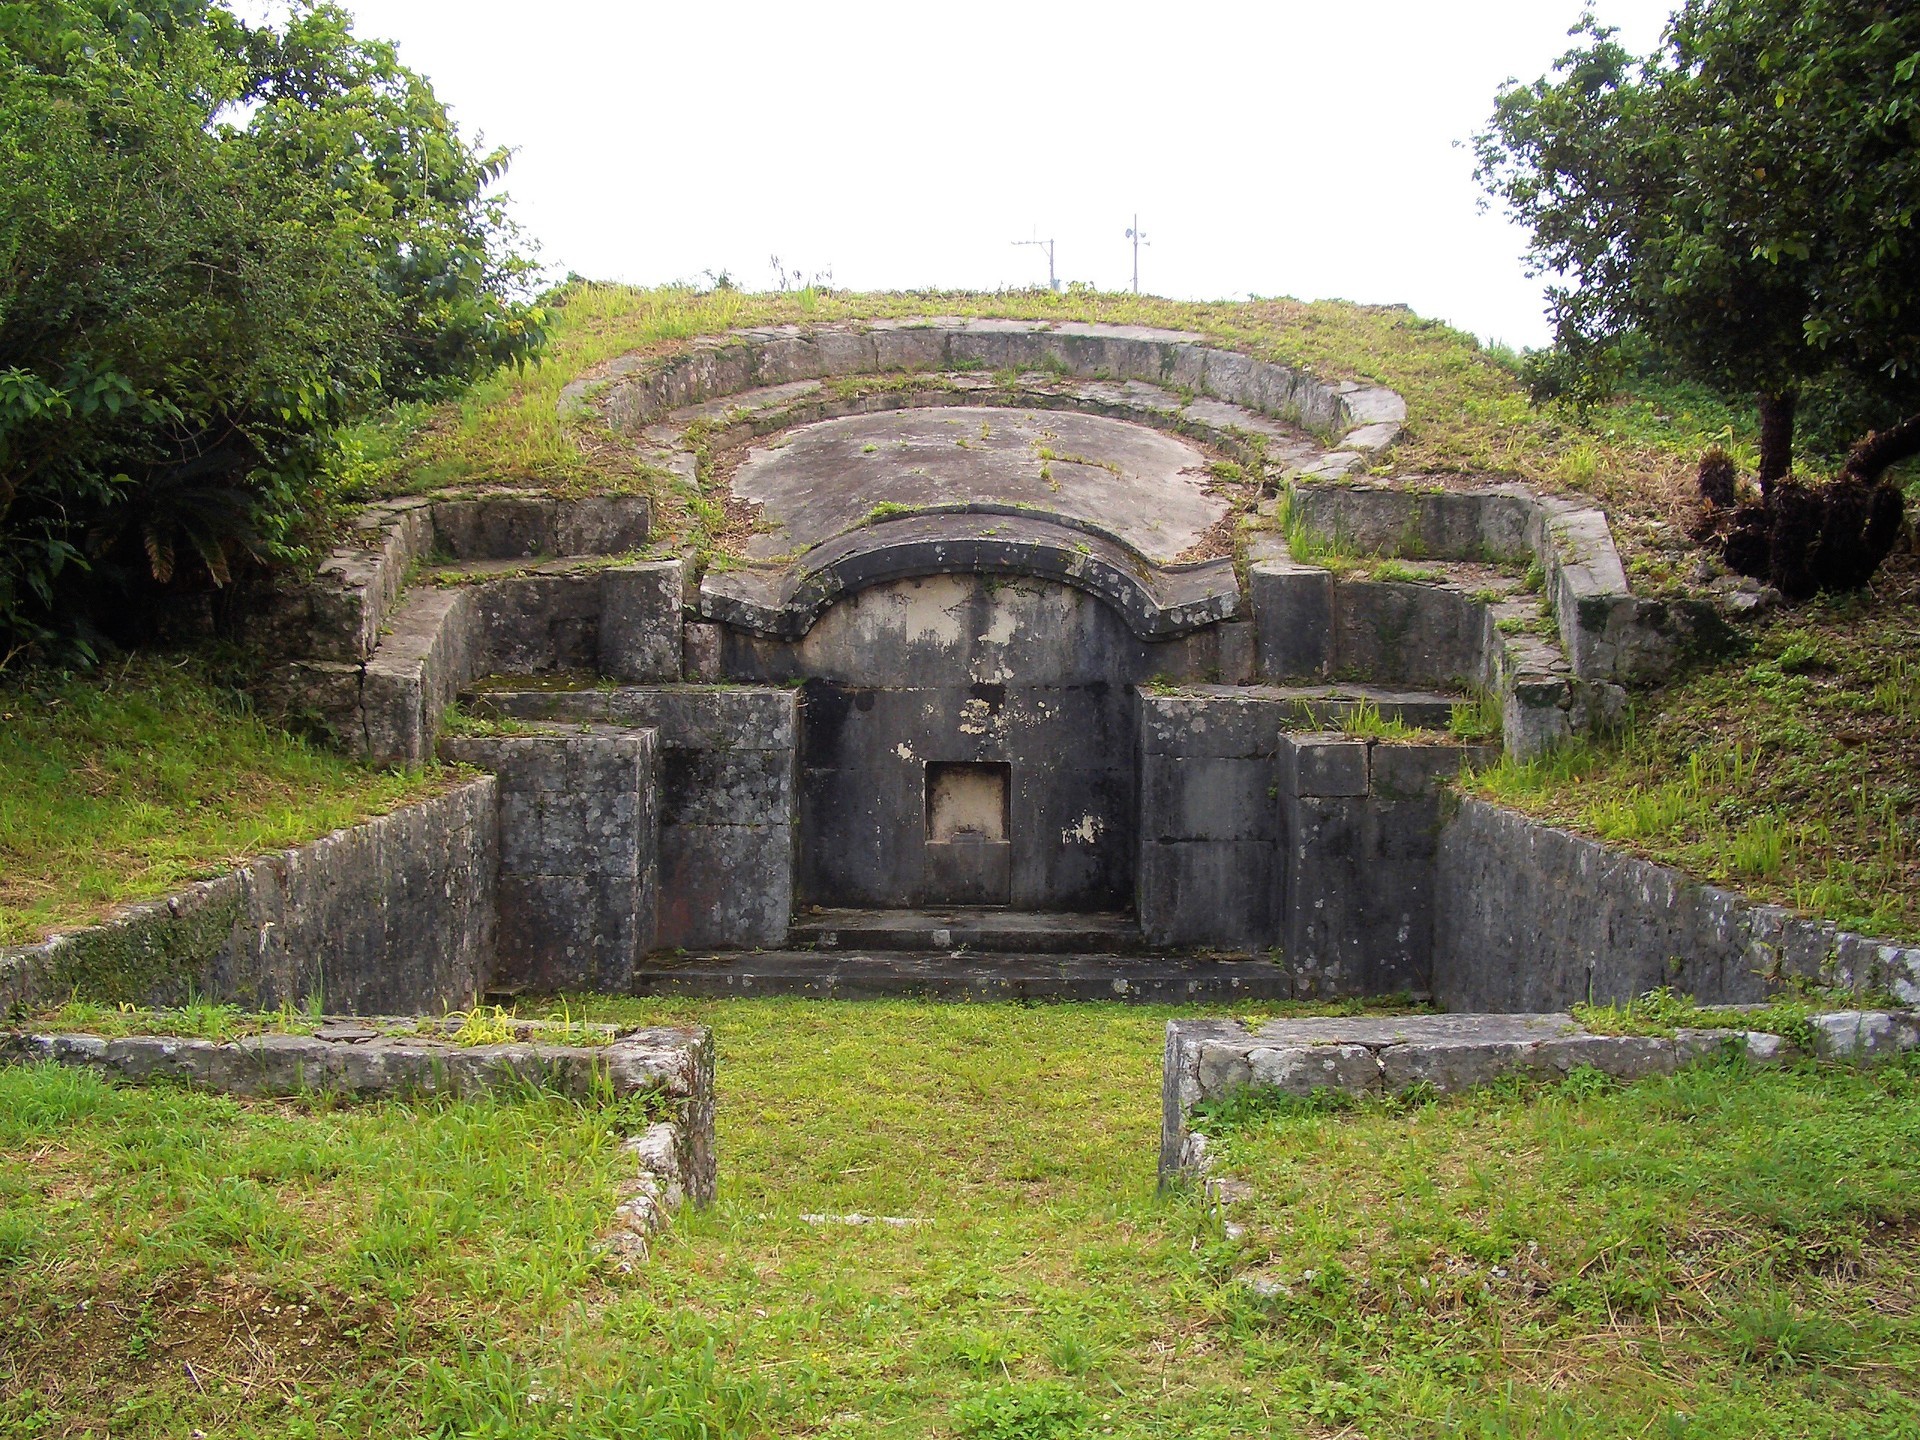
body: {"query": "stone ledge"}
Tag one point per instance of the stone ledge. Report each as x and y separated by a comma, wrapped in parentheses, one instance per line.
(1366, 1055)
(1156, 601)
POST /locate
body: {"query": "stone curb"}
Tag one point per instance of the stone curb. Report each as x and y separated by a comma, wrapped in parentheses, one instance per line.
(1212, 1059)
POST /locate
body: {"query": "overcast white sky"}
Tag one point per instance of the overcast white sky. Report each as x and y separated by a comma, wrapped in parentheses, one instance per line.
(1297, 147)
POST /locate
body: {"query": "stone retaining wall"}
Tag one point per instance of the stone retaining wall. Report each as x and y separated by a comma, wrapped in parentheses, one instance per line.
(726, 798)
(1533, 917)
(395, 914)
(579, 855)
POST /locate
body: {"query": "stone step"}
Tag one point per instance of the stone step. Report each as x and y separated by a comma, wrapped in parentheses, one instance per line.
(970, 927)
(878, 974)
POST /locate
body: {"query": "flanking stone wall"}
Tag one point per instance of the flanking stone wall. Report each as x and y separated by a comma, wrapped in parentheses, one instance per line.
(579, 855)
(1532, 917)
(396, 914)
(1609, 634)
(726, 799)
(1361, 823)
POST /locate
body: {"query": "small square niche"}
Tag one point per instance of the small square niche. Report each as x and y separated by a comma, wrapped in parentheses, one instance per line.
(967, 802)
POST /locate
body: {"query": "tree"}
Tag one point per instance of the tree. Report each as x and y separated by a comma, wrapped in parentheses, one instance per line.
(217, 241)
(1745, 200)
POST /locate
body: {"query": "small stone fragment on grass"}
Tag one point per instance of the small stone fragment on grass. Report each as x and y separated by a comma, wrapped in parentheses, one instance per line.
(897, 1221)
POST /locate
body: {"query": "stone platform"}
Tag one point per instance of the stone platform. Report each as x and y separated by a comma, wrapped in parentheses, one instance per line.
(976, 928)
(878, 974)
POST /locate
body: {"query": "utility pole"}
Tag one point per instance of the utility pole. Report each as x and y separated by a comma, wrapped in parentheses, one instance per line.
(1139, 238)
(1046, 245)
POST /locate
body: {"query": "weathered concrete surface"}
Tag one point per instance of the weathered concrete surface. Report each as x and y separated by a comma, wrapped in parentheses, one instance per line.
(726, 799)
(1137, 485)
(955, 669)
(1213, 1059)
(396, 914)
(510, 524)
(579, 854)
(986, 929)
(1531, 917)
(673, 1064)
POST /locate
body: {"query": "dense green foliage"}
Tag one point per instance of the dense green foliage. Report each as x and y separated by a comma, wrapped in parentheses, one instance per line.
(219, 241)
(1745, 200)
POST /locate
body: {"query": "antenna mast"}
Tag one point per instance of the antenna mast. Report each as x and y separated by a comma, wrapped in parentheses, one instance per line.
(1046, 245)
(1139, 238)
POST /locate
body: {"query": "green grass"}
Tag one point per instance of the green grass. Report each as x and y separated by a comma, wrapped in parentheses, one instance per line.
(1467, 413)
(124, 784)
(1590, 1260)
(1791, 773)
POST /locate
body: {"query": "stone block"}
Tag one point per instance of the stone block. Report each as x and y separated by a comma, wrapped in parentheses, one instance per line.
(966, 872)
(710, 718)
(1405, 772)
(701, 650)
(602, 525)
(1217, 893)
(433, 648)
(725, 885)
(1222, 724)
(1397, 632)
(1323, 764)
(538, 623)
(640, 620)
(1303, 1069)
(1207, 798)
(1864, 1035)
(726, 787)
(1293, 612)
(496, 527)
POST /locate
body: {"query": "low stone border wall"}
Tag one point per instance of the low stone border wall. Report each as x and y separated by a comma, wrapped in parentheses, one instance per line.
(1368, 1055)
(394, 914)
(1534, 917)
(397, 1059)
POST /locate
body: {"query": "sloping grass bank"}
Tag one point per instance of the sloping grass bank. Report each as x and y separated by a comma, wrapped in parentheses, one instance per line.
(1717, 1254)
(124, 784)
(1791, 774)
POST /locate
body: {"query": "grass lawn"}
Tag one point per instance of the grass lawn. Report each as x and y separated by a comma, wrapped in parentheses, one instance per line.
(124, 784)
(1717, 1254)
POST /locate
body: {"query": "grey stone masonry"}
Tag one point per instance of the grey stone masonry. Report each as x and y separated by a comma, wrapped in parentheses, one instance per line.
(726, 799)
(579, 854)
(1359, 821)
(1209, 1060)
(1533, 917)
(1610, 635)
(388, 1059)
(393, 914)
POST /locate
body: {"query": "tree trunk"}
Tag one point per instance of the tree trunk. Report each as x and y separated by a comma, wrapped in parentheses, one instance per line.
(1776, 436)
(1871, 457)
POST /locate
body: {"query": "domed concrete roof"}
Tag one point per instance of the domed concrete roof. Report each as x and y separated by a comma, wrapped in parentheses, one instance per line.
(1142, 487)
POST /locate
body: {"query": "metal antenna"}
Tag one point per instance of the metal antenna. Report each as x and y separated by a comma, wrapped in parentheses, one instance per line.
(1139, 238)
(1046, 245)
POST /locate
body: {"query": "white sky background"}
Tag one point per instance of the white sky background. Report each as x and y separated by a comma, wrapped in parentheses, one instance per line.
(1297, 147)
